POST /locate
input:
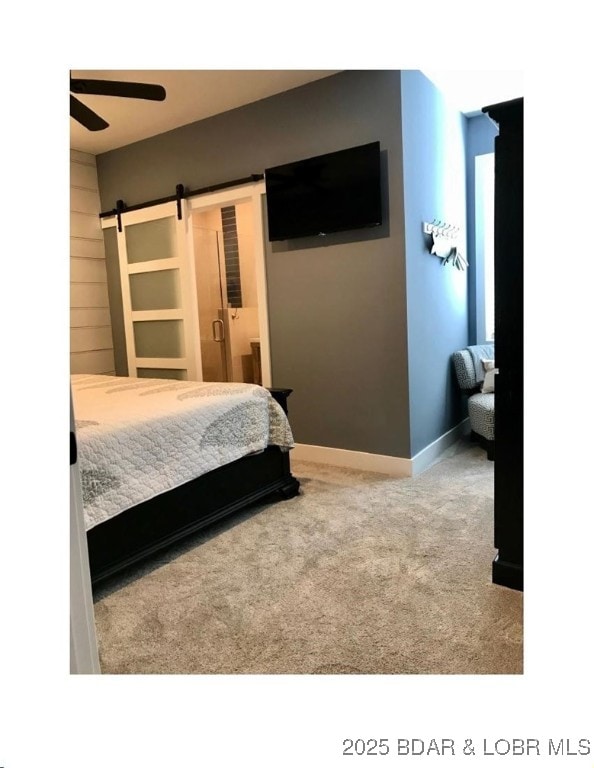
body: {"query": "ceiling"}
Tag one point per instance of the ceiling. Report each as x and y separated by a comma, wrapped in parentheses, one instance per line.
(196, 94)
(470, 90)
(191, 95)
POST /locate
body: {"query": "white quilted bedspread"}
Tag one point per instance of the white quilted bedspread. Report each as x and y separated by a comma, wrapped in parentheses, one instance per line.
(140, 437)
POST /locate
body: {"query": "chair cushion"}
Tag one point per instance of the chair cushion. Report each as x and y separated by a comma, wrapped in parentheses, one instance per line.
(481, 412)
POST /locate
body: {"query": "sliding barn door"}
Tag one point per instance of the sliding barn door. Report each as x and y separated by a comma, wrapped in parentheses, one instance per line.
(158, 293)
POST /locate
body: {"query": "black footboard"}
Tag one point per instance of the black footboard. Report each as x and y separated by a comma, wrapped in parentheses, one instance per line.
(148, 527)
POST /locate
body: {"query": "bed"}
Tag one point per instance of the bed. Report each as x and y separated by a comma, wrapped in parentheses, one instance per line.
(160, 459)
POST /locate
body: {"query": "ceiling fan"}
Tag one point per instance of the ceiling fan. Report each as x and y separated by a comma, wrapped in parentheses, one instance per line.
(91, 120)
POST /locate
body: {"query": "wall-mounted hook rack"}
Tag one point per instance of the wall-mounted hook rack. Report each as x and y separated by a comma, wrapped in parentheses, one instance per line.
(441, 229)
(444, 242)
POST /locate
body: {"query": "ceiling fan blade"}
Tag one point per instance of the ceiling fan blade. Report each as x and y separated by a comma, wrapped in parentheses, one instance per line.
(86, 116)
(118, 88)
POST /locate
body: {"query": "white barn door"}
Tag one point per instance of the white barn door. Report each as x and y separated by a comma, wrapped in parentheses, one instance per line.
(158, 295)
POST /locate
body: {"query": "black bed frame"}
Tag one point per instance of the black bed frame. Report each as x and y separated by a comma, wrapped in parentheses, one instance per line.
(146, 528)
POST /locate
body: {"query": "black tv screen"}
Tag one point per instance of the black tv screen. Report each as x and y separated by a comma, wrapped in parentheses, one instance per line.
(328, 193)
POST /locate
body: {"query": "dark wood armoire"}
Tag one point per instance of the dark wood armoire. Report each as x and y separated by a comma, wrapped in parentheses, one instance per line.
(508, 566)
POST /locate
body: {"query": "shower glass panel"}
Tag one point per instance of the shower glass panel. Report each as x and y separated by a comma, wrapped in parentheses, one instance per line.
(212, 291)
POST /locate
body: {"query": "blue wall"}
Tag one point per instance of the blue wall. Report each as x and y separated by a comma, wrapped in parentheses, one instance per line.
(434, 166)
(481, 141)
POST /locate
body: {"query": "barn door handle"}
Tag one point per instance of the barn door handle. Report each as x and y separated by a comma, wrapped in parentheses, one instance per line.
(221, 336)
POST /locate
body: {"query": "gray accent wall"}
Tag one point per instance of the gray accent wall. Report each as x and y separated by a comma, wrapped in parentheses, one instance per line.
(337, 308)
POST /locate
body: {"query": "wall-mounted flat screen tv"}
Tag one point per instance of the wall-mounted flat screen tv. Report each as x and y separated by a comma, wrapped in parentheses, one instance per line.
(328, 193)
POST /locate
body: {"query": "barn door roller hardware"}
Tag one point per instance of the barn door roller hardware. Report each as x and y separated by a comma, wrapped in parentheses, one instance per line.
(179, 195)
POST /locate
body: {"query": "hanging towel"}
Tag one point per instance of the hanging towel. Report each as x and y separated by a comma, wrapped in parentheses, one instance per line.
(480, 352)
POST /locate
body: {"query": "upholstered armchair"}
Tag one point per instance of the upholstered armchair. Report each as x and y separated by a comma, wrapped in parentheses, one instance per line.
(475, 371)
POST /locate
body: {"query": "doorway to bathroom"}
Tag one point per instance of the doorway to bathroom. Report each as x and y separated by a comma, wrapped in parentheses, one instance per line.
(228, 260)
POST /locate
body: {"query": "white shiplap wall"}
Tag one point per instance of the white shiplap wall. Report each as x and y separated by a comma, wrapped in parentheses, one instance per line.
(91, 343)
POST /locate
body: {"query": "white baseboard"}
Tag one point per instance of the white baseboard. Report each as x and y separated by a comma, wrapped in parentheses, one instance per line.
(432, 452)
(375, 462)
(338, 457)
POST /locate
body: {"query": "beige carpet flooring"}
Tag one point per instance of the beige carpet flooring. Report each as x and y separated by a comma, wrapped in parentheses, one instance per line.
(359, 574)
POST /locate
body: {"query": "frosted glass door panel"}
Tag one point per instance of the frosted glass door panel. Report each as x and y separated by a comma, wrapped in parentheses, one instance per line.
(162, 373)
(151, 240)
(155, 290)
(159, 338)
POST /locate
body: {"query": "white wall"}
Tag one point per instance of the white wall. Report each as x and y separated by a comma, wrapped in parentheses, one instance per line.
(91, 342)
